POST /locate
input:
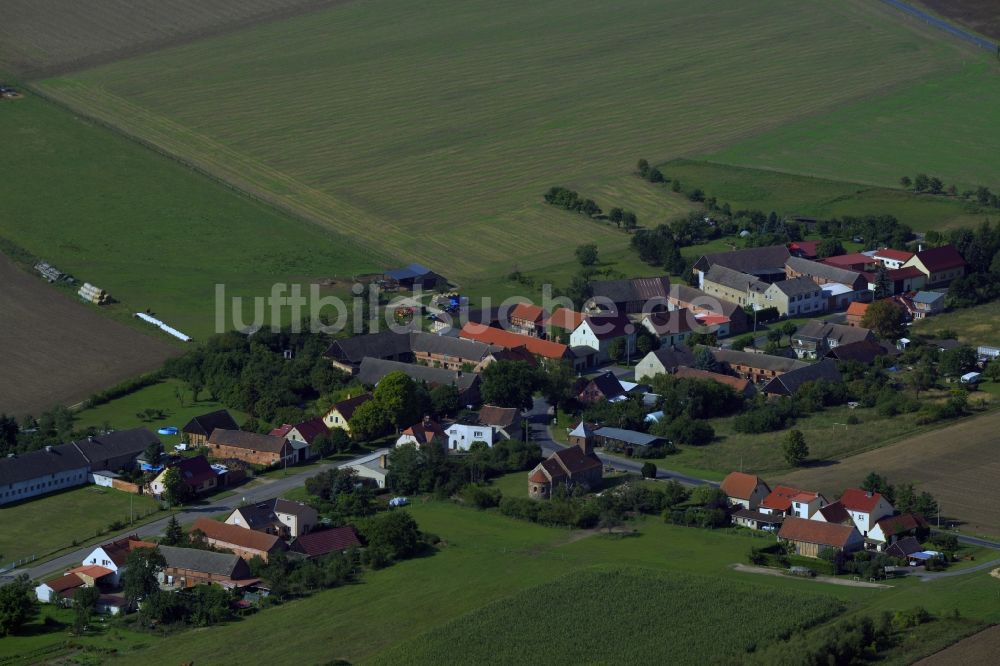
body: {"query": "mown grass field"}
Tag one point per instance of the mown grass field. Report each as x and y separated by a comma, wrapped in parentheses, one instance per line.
(947, 125)
(431, 131)
(791, 194)
(40, 526)
(974, 326)
(485, 557)
(650, 613)
(957, 464)
(152, 233)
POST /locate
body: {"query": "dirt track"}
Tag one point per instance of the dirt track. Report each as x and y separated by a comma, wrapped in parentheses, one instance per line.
(54, 350)
(958, 464)
(978, 649)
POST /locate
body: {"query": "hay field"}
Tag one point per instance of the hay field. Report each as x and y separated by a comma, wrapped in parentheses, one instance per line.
(54, 350)
(431, 130)
(43, 37)
(958, 464)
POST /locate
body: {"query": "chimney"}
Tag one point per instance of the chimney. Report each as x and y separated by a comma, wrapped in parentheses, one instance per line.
(868, 493)
(920, 247)
(48, 447)
(427, 420)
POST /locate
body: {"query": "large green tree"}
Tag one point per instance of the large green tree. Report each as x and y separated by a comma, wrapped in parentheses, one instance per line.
(139, 580)
(884, 318)
(175, 490)
(795, 448)
(396, 394)
(18, 605)
(509, 384)
(368, 422)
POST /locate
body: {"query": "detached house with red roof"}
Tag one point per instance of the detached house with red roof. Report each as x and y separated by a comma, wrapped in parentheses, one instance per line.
(195, 473)
(113, 555)
(865, 508)
(941, 265)
(424, 433)
(574, 465)
(892, 259)
(528, 319)
(745, 490)
(301, 436)
(788, 501)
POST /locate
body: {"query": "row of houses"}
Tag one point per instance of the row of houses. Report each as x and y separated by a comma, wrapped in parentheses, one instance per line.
(857, 520)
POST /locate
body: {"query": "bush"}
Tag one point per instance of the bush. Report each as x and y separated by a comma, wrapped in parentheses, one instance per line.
(648, 470)
(911, 618)
(480, 496)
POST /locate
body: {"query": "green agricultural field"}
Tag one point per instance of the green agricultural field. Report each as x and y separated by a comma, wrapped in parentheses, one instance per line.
(40, 526)
(431, 131)
(791, 194)
(945, 126)
(153, 233)
(673, 616)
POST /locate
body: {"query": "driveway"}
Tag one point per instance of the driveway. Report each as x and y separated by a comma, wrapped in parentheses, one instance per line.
(539, 421)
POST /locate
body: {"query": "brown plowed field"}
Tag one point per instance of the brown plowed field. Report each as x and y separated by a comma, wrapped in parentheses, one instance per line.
(40, 38)
(983, 16)
(958, 464)
(977, 650)
(57, 351)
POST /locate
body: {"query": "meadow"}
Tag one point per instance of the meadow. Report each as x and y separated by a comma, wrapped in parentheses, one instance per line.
(650, 613)
(155, 235)
(946, 126)
(789, 194)
(485, 557)
(431, 131)
(40, 526)
(973, 326)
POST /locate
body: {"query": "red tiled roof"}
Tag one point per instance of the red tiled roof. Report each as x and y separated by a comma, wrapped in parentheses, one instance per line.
(336, 539)
(311, 429)
(91, 570)
(509, 340)
(575, 460)
(528, 312)
(835, 513)
(426, 431)
(855, 499)
(807, 248)
(498, 416)
(814, 531)
(737, 384)
(780, 498)
(846, 260)
(804, 497)
(566, 318)
(740, 485)
(895, 255)
(941, 258)
(195, 471)
(538, 476)
(118, 550)
(899, 524)
(64, 582)
(904, 273)
(282, 431)
(857, 308)
(237, 536)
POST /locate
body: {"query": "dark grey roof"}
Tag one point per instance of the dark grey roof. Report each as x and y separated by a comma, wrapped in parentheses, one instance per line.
(734, 279)
(292, 508)
(116, 444)
(754, 260)
(205, 561)
(628, 436)
(373, 370)
(248, 440)
(839, 333)
(821, 270)
(631, 290)
(769, 518)
(691, 295)
(797, 286)
(384, 344)
(206, 423)
(36, 464)
(762, 361)
(608, 384)
(790, 382)
(445, 345)
(674, 356)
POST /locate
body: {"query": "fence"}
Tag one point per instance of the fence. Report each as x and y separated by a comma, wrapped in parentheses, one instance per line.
(941, 24)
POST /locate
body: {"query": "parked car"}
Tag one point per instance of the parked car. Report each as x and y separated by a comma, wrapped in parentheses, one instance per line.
(398, 501)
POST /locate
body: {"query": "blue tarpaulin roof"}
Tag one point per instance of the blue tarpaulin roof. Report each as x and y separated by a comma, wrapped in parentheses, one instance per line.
(409, 272)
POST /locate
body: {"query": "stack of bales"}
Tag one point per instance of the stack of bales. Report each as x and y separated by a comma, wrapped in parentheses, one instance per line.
(93, 294)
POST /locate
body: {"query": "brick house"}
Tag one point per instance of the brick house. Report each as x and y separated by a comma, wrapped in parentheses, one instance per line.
(810, 537)
(528, 319)
(187, 567)
(245, 543)
(568, 467)
(199, 429)
(758, 368)
(250, 447)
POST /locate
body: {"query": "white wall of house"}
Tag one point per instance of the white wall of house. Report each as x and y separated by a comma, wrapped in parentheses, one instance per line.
(584, 336)
(22, 490)
(866, 521)
(99, 557)
(649, 367)
(462, 435)
(45, 594)
(807, 509)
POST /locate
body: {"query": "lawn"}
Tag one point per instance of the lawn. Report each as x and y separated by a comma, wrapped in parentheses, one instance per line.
(40, 526)
(671, 607)
(154, 234)
(170, 395)
(791, 194)
(431, 131)
(945, 125)
(974, 326)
